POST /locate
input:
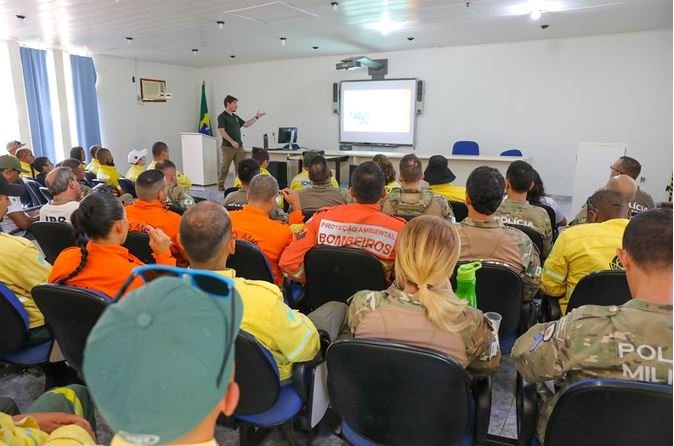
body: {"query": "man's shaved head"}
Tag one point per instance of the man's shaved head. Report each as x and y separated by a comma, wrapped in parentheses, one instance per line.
(607, 205)
(262, 188)
(205, 230)
(623, 184)
(149, 184)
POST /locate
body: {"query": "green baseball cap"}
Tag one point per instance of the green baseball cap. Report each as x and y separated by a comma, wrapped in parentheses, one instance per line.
(10, 162)
(152, 360)
(309, 155)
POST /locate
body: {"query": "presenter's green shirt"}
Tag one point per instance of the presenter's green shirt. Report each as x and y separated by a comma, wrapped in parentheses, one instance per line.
(232, 125)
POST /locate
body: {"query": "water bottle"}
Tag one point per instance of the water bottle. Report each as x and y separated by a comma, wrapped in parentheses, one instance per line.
(465, 282)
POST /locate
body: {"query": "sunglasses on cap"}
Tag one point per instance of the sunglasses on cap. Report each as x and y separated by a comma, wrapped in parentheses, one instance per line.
(215, 285)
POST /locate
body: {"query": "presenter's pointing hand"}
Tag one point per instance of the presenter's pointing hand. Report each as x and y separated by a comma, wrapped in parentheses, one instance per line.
(259, 114)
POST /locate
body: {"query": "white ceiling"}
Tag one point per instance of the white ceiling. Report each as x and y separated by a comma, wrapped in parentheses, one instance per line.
(168, 30)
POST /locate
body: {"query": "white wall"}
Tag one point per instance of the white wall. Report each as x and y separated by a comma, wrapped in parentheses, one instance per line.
(542, 96)
(127, 124)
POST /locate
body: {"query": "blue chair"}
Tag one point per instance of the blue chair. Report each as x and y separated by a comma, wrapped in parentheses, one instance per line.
(393, 394)
(512, 152)
(128, 187)
(466, 148)
(15, 345)
(33, 188)
(265, 403)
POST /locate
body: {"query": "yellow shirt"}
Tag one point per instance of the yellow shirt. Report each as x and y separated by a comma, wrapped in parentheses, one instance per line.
(26, 171)
(578, 251)
(183, 180)
(134, 171)
(237, 181)
(450, 192)
(93, 166)
(21, 268)
(302, 181)
(26, 432)
(289, 335)
(109, 175)
(392, 185)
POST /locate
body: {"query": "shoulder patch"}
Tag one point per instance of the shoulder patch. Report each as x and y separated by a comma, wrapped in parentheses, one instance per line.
(547, 334)
(536, 341)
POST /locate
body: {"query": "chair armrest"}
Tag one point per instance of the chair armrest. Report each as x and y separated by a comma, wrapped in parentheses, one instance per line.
(549, 309)
(303, 375)
(481, 390)
(526, 405)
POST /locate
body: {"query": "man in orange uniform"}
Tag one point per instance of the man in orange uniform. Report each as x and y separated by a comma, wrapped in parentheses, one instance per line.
(149, 210)
(253, 223)
(358, 225)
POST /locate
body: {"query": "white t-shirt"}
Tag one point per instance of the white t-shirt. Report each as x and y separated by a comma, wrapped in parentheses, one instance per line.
(58, 212)
(7, 224)
(555, 207)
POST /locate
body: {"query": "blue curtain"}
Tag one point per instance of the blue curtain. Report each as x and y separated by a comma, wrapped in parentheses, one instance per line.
(86, 103)
(34, 63)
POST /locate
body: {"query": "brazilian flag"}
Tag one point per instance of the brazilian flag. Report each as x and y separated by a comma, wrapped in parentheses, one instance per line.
(204, 119)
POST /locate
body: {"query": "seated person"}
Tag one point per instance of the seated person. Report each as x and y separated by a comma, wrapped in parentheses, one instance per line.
(179, 385)
(78, 153)
(253, 223)
(420, 308)
(301, 180)
(63, 415)
(484, 237)
(623, 184)
(160, 152)
(289, 335)
(22, 266)
(517, 210)
(261, 156)
(78, 170)
(626, 165)
(66, 193)
(15, 221)
(39, 168)
(176, 194)
(137, 160)
(100, 262)
(321, 193)
(411, 199)
(247, 169)
(582, 249)
(93, 164)
(13, 146)
(536, 195)
(611, 342)
(440, 177)
(25, 157)
(106, 169)
(390, 175)
(360, 224)
(149, 209)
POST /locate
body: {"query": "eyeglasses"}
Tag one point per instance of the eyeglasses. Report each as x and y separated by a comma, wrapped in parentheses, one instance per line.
(617, 170)
(215, 285)
(590, 208)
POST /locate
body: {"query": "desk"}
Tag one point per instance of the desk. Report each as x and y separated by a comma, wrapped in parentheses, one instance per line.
(461, 165)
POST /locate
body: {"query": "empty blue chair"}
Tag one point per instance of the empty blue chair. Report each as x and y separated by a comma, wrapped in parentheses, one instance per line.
(512, 152)
(465, 148)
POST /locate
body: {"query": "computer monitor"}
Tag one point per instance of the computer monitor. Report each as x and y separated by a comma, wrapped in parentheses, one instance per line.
(286, 133)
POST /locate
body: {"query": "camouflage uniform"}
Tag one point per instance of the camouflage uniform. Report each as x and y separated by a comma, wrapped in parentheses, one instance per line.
(396, 315)
(522, 213)
(492, 240)
(409, 203)
(236, 197)
(319, 196)
(631, 342)
(580, 218)
(178, 196)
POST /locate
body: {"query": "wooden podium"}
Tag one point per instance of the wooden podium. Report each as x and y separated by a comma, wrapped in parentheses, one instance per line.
(200, 158)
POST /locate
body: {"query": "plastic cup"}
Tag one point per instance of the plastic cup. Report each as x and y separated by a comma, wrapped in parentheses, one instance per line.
(495, 320)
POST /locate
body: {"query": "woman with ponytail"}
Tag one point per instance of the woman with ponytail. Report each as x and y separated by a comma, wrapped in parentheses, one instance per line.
(420, 308)
(100, 262)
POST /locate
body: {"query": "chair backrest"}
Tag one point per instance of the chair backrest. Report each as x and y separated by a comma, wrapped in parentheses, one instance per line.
(46, 194)
(90, 176)
(256, 374)
(498, 288)
(619, 413)
(460, 210)
(335, 273)
(34, 191)
(551, 215)
(229, 190)
(128, 186)
(511, 152)
(53, 237)
(138, 244)
(249, 262)
(395, 394)
(465, 148)
(600, 288)
(307, 214)
(70, 313)
(13, 321)
(535, 236)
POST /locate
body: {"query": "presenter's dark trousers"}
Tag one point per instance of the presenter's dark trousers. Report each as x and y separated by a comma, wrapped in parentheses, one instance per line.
(229, 154)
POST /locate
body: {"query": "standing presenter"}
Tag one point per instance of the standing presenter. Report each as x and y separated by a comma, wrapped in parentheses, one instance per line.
(229, 126)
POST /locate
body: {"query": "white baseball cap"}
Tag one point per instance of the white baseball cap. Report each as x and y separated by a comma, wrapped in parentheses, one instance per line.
(135, 155)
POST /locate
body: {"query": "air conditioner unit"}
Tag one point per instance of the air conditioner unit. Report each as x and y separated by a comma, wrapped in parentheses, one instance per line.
(152, 90)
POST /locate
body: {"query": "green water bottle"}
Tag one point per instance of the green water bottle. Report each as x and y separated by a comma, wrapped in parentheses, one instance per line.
(465, 282)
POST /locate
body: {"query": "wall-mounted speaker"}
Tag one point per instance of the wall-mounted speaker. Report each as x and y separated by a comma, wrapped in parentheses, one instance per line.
(420, 97)
(335, 97)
